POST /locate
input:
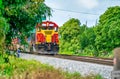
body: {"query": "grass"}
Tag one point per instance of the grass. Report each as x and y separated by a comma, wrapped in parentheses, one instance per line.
(30, 69)
(66, 52)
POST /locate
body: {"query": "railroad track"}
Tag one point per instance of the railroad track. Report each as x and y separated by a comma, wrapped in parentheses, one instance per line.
(102, 61)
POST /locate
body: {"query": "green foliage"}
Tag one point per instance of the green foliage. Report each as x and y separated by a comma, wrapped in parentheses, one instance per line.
(87, 43)
(77, 75)
(69, 36)
(99, 40)
(1, 59)
(0, 3)
(22, 16)
(104, 37)
(111, 14)
(87, 38)
(16, 65)
(4, 27)
(107, 31)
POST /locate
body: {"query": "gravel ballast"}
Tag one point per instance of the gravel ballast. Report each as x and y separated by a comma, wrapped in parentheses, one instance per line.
(83, 68)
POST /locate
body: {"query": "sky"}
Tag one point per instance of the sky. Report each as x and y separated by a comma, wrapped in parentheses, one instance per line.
(87, 11)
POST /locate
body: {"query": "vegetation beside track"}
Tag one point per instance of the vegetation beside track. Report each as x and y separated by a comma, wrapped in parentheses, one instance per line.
(98, 40)
(18, 68)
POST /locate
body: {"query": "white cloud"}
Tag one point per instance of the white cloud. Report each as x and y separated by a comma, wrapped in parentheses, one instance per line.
(53, 4)
(88, 4)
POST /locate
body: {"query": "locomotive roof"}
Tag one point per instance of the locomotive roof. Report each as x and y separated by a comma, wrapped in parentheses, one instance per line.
(47, 23)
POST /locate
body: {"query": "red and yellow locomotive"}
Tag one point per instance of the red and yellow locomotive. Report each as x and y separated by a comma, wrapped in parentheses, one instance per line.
(46, 36)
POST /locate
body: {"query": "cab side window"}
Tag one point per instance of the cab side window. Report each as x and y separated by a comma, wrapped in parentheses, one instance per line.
(56, 29)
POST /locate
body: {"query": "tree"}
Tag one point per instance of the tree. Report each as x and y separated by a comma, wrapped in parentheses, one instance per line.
(107, 31)
(87, 42)
(22, 15)
(0, 3)
(4, 27)
(1, 6)
(69, 36)
(87, 38)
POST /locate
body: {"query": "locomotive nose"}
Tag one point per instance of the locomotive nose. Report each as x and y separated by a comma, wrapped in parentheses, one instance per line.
(47, 37)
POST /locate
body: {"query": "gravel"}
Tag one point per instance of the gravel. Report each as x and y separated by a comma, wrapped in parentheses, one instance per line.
(83, 68)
